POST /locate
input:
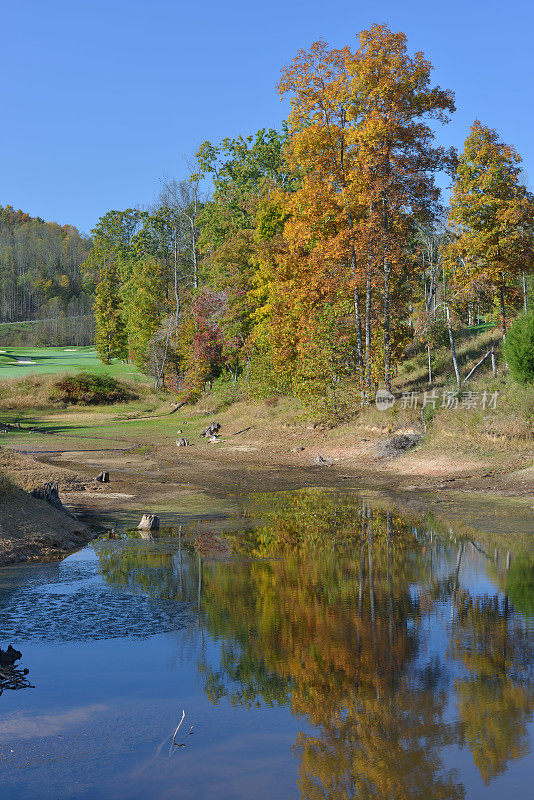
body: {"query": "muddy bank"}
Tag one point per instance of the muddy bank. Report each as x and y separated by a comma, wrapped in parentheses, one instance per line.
(32, 530)
(209, 483)
(208, 486)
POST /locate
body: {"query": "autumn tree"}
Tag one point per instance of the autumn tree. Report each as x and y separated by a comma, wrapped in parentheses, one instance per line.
(360, 134)
(321, 265)
(491, 217)
(394, 102)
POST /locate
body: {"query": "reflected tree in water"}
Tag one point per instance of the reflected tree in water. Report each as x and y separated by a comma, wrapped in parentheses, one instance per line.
(327, 611)
(496, 695)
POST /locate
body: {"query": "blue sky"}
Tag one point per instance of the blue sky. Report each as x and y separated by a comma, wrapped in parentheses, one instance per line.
(100, 99)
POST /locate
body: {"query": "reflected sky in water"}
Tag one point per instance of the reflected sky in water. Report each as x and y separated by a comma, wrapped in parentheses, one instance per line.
(341, 651)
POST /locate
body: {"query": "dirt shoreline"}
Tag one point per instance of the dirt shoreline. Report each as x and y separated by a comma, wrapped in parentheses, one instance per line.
(31, 530)
(210, 481)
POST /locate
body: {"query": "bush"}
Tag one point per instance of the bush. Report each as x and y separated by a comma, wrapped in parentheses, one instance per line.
(87, 388)
(519, 348)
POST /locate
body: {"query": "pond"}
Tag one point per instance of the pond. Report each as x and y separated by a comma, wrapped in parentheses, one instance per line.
(338, 649)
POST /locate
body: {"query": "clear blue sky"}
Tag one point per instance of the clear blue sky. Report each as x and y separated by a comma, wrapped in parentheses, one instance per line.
(100, 98)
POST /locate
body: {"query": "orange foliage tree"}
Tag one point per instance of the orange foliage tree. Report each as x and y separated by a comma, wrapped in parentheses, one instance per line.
(360, 139)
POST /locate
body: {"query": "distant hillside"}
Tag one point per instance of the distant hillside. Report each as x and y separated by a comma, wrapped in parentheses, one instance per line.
(40, 275)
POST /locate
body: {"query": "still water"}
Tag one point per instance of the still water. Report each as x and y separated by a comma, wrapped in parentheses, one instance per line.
(340, 651)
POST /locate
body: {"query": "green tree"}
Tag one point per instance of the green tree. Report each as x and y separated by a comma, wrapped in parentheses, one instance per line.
(109, 266)
(244, 171)
(144, 306)
(111, 340)
(519, 348)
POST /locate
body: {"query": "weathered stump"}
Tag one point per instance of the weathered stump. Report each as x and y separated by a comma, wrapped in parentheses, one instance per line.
(322, 461)
(103, 477)
(182, 443)
(149, 522)
(49, 492)
(212, 429)
(9, 656)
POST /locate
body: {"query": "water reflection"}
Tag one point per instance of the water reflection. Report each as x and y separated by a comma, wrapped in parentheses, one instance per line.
(371, 629)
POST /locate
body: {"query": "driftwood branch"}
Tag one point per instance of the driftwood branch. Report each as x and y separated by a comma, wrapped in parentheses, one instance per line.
(178, 407)
(489, 353)
(178, 727)
(243, 431)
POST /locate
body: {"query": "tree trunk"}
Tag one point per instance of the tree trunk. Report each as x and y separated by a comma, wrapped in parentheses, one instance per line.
(453, 350)
(429, 366)
(525, 294)
(149, 522)
(359, 344)
(367, 365)
(503, 311)
(387, 330)
(50, 494)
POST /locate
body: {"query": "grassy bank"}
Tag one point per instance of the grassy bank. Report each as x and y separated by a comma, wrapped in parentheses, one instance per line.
(487, 445)
(448, 442)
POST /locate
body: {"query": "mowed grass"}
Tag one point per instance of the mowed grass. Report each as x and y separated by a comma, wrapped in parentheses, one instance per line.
(60, 360)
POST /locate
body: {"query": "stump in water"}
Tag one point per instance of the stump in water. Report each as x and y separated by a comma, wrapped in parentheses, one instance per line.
(49, 492)
(149, 522)
(103, 477)
(9, 656)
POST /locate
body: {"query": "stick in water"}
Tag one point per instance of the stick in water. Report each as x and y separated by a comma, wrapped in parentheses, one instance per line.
(178, 728)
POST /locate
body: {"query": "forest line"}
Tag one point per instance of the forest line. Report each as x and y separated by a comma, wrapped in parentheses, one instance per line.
(324, 251)
(42, 283)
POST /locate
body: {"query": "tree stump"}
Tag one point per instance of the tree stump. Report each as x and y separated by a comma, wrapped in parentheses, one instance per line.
(212, 429)
(149, 522)
(49, 492)
(322, 461)
(103, 477)
(182, 443)
(9, 656)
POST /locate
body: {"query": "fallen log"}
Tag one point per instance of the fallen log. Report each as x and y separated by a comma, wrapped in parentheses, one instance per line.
(489, 353)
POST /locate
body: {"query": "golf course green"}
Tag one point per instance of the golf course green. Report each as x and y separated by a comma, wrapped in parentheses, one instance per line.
(16, 362)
